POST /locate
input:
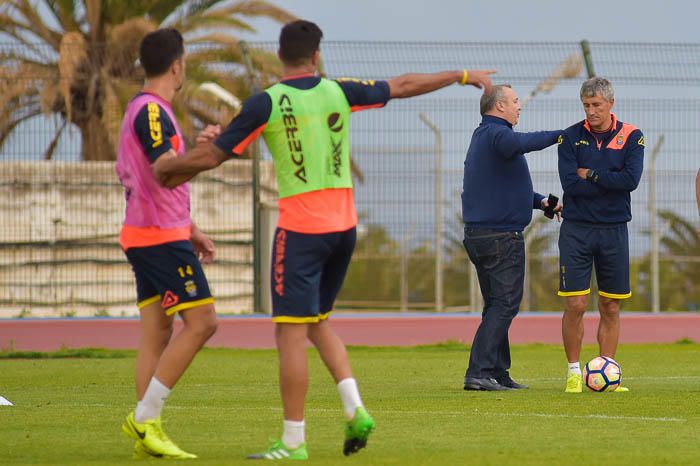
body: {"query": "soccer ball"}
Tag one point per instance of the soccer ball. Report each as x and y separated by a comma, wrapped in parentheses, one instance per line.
(602, 374)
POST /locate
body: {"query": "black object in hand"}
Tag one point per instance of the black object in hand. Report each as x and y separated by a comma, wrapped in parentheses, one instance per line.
(552, 202)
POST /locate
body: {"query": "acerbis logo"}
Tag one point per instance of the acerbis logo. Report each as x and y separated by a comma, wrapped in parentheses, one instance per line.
(296, 152)
(335, 122)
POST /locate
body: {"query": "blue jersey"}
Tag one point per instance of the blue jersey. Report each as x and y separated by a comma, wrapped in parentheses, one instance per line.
(256, 111)
(617, 157)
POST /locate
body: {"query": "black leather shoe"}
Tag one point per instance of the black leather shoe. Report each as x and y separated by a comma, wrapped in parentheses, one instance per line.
(510, 383)
(485, 384)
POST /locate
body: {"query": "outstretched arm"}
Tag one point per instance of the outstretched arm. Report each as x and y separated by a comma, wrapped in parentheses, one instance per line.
(171, 170)
(214, 147)
(509, 143)
(413, 84)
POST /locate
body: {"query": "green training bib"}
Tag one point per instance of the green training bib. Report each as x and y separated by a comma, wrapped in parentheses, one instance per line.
(308, 136)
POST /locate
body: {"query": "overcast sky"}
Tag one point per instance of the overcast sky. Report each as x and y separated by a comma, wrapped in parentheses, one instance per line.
(504, 20)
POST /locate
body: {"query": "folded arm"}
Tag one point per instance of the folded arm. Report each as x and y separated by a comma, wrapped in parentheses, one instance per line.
(571, 183)
(628, 178)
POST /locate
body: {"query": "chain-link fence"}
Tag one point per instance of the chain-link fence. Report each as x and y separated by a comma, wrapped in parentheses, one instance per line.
(410, 157)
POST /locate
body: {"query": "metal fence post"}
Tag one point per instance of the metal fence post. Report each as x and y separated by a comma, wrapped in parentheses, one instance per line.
(257, 234)
(587, 58)
(439, 304)
(655, 293)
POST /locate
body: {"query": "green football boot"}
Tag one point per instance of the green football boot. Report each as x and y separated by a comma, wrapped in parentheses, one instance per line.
(357, 431)
(154, 441)
(279, 451)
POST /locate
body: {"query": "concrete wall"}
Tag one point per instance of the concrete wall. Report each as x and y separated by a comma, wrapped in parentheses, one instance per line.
(59, 251)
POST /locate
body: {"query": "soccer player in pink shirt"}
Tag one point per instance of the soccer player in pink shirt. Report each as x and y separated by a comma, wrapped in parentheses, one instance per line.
(162, 244)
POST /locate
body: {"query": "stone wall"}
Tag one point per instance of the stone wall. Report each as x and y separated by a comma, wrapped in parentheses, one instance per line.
(59, 251)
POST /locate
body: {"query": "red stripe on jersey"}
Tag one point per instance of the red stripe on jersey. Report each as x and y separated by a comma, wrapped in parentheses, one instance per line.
(238, 150)
(358, 108)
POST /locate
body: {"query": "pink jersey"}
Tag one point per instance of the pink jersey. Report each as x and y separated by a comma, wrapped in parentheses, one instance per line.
(147, 203)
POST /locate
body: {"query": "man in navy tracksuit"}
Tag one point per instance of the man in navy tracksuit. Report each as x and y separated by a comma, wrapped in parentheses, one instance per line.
(600, 163)
(497, 204)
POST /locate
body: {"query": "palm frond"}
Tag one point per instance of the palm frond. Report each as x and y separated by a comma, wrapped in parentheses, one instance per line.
(64, 12)
(51, 98)
(258, 8)
(48, 153)
(72, 55)
(122, 48)
(112, 109)
(36, 23)
(6, 128)
(209, 23)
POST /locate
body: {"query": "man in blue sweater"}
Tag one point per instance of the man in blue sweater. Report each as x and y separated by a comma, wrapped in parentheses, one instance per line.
(600, 163)
(497, 204)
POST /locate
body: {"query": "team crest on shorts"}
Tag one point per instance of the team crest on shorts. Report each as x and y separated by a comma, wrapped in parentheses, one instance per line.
(190, 288)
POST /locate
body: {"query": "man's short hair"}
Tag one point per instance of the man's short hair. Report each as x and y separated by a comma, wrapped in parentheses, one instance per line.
(159, 49)
(299, 40)
(594, 86)
(488, 101)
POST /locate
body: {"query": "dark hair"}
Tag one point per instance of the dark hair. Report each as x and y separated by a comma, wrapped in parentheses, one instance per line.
(159, 49)
(298, 41)
(488, 101)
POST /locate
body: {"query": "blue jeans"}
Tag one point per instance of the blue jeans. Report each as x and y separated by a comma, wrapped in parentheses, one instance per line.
(499, 258)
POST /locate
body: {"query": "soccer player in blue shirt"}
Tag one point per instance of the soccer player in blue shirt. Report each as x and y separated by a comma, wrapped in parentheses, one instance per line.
(600, 164)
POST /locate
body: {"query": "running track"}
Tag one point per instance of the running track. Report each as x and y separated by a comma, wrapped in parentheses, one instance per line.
(355, 329)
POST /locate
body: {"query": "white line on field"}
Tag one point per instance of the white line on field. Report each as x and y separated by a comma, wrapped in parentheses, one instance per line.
(643, 377)
(587, 416)
(399, 412)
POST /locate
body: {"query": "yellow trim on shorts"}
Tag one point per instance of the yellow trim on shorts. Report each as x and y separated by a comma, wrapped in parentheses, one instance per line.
(149, 301)
(188, 305)
(301, 320)
(574, 293)
(615, 296)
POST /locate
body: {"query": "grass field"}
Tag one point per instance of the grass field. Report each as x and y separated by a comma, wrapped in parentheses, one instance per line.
(69, 410)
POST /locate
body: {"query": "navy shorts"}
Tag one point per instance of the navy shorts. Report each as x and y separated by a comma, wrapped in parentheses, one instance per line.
(584, 245)
(171, 274)
(307, 273)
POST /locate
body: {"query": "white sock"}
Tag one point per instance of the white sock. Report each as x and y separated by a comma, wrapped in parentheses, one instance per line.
(152, 403)
(350, 396)
(574, 368)
(293, 433)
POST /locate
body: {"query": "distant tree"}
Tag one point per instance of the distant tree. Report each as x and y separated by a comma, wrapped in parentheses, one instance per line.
(679, 266)
(78, 59)
(374, 273)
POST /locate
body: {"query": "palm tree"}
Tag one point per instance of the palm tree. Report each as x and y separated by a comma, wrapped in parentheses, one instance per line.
(77, 59)
(680, 264)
